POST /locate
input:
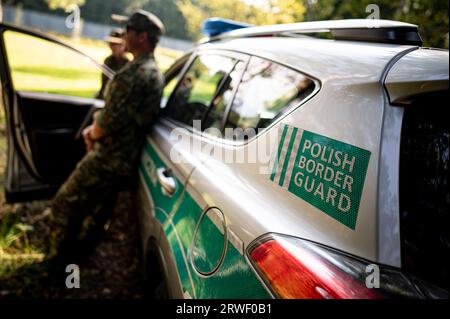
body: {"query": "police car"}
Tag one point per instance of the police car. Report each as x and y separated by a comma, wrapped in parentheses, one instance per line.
(306, 160)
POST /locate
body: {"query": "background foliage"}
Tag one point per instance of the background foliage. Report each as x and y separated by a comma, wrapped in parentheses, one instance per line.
(183, 18)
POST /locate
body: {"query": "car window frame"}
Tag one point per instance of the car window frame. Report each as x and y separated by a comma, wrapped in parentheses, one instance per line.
(176, 70)
(233, 95)
(220, 141)
(282, 114)
(239, 57)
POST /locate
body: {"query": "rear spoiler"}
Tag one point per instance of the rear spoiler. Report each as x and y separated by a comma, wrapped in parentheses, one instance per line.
(420, 72)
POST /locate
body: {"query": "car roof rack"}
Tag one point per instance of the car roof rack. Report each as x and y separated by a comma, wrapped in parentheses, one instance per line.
(368, 30)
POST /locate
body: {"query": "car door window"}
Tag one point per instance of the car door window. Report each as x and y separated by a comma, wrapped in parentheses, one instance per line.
(168, 89)
(50, 67)
(202, 85)
(172, 76)
(266, 92)
(215, 115)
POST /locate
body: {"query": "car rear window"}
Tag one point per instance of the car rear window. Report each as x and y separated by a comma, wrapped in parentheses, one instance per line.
(266, 92)
(424, 190)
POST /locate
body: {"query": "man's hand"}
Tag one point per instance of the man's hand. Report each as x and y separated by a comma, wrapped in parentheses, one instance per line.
(91, 134)
(97, 132)
(87, 138)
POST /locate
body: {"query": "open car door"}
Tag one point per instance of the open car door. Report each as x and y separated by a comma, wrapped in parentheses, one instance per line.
(48, 91)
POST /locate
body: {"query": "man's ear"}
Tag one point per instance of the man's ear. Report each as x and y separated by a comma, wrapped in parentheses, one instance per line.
(143, 37)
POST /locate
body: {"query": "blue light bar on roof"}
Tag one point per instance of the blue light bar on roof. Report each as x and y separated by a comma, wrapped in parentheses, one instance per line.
(215, 26)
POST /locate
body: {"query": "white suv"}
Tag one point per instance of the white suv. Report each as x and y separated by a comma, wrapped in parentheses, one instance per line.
(283, 165)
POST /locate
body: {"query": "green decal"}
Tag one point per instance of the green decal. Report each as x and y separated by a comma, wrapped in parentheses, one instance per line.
(235, 277)
(280, 148)
(326, 173)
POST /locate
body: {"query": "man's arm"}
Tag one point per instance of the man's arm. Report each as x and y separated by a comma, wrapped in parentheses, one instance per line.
(125, 95)
(119, 109)
(115, 115)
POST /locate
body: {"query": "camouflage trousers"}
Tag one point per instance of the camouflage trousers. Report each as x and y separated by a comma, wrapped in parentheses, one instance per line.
(83, 205)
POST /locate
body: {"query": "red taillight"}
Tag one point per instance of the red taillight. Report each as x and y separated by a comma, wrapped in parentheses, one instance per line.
(297, 269)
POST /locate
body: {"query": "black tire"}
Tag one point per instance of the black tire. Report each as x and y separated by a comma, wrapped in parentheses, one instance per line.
(155, 283)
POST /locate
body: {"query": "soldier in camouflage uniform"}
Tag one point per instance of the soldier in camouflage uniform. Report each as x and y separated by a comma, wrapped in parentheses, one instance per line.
(115, 139)
(117, 59)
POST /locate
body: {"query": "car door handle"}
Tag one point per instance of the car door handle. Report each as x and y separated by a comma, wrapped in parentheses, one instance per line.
(167, 181)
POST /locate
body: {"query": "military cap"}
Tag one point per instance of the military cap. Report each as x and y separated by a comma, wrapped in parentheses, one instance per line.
(142, 21)
(115, 36)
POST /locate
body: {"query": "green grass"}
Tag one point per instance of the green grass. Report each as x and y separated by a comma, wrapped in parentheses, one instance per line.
(15, 248)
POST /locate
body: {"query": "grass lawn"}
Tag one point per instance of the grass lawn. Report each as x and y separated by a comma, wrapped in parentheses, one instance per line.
(40, 66)
(48, 67)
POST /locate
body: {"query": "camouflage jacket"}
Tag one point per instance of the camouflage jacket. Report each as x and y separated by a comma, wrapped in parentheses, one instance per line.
(115, 65)
(132, 102)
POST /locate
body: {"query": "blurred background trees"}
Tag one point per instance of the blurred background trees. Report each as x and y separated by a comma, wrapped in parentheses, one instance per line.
(63, 4)
(183, 18)
(430, 15)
